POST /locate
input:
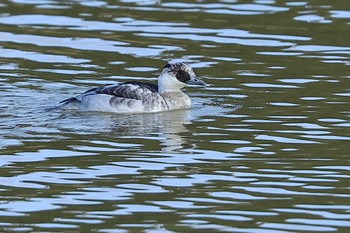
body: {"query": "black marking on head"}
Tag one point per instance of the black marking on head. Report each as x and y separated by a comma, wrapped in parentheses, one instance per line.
(181, 71)
(182, 76)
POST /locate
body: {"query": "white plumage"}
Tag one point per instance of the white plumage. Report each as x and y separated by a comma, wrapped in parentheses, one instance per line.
(138, 97)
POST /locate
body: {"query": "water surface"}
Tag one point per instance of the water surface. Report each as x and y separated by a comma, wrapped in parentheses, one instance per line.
(265, 147)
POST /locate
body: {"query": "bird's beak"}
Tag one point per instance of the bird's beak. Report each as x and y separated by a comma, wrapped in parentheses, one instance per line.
(196, 81)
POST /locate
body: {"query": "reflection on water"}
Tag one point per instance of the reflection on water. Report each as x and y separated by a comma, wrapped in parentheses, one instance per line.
(264, 148)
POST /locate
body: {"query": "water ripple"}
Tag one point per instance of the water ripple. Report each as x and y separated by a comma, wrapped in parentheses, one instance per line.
(264, 148)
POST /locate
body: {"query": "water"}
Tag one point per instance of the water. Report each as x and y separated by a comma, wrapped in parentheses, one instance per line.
(265, 147)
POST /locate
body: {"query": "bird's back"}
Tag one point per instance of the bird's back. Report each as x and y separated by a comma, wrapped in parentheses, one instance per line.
(124, 98)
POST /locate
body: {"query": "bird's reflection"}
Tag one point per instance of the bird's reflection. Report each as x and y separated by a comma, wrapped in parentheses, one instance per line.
(166, 127)
(169, 128)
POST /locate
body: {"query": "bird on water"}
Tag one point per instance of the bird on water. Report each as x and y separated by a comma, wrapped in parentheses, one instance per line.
(140, 97)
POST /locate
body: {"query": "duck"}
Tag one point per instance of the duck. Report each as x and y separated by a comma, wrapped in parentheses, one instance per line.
(140, 97)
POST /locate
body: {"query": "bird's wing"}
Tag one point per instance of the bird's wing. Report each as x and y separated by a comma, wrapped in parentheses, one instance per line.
(128, 90)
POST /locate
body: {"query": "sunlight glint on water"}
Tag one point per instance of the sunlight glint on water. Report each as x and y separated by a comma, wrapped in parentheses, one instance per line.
(265, 147)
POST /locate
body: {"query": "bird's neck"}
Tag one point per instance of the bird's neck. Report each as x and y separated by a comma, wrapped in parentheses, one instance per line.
(168, 84)
(168, 90)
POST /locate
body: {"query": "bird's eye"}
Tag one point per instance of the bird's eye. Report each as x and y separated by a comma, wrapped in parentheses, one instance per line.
(183, 76)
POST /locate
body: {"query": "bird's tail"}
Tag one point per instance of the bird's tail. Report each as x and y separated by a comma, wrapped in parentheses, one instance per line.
(70, 103)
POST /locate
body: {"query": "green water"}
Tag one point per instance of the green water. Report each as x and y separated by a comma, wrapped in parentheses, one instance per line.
(265, 147)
